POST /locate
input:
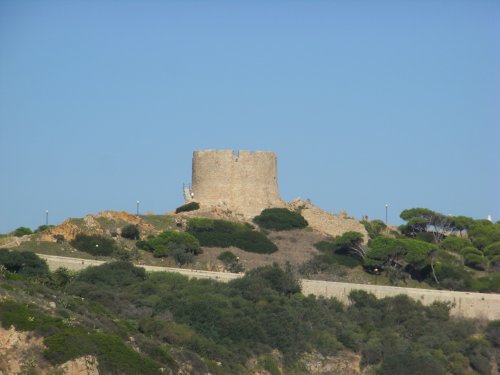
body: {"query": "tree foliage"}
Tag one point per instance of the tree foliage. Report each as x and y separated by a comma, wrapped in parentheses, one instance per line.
(231, 261)
(483, 233)
(280, 219)
(181, 245)
(95, 244)
(22, 231)
(191, 206)
(222, 233)
(423, 219)
(130, 232)
(24, 263)
(374, 227)
(138, 322)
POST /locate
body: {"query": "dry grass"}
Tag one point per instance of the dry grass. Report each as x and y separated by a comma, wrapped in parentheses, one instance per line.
(294, 246)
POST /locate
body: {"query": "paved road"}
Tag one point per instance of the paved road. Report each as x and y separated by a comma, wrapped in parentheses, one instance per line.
(472, 305)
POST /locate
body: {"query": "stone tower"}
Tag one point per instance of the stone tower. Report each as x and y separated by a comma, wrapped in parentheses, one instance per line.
(243, 181)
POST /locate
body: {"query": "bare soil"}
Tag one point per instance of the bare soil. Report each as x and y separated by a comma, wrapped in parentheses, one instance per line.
(294, 246)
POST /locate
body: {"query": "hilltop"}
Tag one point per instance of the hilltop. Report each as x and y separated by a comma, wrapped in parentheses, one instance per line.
(296, 246)
(430, 251)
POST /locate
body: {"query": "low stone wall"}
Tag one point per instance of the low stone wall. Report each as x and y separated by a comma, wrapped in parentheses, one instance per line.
(465, 304)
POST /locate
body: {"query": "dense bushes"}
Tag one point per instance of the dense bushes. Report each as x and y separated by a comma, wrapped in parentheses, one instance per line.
(23, 262)
(280, 219)
(181, 246)
(374, 227)
(191, 206)
(95, 245)
(130, 232)
(116, 274)
(333, 253)
(231, 261)
(247, 317)
(112, 354)
(27, 317)
(221, 233)
(22, 231)
(170, 318)
(455, 244)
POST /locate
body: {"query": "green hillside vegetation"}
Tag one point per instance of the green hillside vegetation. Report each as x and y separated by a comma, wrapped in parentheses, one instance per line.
(105, 311)
(430, 250)
(222, 233)
(444, 252)
(191, 206)
(181, 246)
(280, 219)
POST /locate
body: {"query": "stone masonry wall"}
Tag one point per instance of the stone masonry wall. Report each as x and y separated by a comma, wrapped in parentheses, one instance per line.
(246, 181)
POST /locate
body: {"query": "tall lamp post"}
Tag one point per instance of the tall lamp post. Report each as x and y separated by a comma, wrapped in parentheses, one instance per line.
(386, 207)
(47, 217)
(138, 207)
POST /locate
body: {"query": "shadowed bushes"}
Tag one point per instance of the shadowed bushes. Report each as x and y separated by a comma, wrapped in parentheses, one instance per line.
(280, 219)
(95, 245)
(191, 206)
(221, 233)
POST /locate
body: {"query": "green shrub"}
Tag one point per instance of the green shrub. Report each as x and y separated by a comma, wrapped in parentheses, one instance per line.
(492, 250)
(169, 241)
(269, 364)
(23, 262)
(333, 253)
(280, 219)
(43, 228)
(143, 245)
(113, 356)
(493, 333)
(221, 233)
(181, 256)
(116, 274)
(475, 261)
(273, 277)
(231, 261)
(425, 237)
(487, 284)
(471, 250)
(374, 227)
(191, 206)
(455, 244)
(27, 318)
(452, 277)
(130, 232)
(22, 231)
(227, 257)
(95, 245)
(495, 263)
(483, 233)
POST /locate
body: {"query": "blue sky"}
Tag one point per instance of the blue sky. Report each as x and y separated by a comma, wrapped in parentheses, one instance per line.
(364, 102)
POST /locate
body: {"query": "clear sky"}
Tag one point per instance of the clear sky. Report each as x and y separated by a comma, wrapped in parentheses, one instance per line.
(364, 102)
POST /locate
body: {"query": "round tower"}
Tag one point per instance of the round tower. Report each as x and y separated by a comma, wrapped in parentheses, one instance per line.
(244, 181)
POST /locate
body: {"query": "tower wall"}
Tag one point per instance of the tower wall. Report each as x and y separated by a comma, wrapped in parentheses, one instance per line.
(245, 181)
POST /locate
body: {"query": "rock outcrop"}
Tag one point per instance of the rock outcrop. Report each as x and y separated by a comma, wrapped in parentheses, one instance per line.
(326, 222)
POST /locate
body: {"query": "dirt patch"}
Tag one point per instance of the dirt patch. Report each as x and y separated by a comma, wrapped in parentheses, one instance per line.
(294, 246)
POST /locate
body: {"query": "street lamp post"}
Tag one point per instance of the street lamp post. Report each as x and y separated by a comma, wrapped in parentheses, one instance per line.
(386, 207)
(47, 217)
(138, 207)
